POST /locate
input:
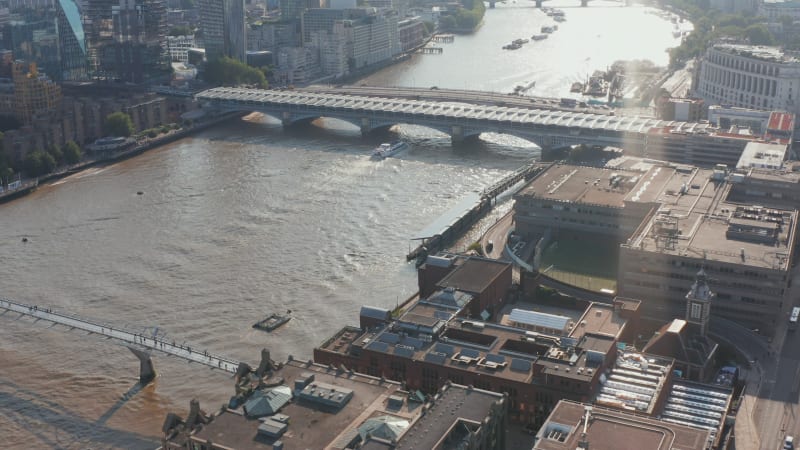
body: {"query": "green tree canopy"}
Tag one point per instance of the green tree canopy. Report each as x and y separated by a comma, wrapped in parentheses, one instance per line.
(118, 124)
(56, 153)
(38, 163)
(467, 18)
(758, 34)
(49, 163)
(711, 25)
(231, 72)
(447, 22)
(5, 163)
(72, 153)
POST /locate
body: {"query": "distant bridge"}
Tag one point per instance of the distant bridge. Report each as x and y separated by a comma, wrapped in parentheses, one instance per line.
(545, 127)
(583, 3)
(138, 343)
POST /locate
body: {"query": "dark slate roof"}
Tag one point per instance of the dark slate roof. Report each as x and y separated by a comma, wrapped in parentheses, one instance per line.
(679, 340)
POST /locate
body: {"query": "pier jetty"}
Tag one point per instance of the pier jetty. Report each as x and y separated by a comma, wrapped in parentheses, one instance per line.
(438, 235)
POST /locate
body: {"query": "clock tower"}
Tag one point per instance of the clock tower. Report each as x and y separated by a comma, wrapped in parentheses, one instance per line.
(698, 303)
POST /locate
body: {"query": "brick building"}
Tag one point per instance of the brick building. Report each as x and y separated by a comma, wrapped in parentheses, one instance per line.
(433, 340)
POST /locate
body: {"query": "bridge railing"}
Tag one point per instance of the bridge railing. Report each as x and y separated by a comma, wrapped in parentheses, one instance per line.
(152, 342)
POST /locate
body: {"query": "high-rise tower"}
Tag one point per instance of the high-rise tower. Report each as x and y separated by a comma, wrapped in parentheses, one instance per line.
(223, 25)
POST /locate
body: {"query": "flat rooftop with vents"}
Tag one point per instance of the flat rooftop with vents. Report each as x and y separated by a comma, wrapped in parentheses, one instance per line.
(328, 407)
(579, 184)
(608, 429)
(695, 220)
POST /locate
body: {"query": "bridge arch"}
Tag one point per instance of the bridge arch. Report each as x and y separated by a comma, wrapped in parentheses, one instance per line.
(456, 116)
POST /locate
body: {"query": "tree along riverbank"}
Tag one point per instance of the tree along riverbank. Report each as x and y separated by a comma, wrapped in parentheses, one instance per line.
(30, 184)
(466, 20)
(709, 26)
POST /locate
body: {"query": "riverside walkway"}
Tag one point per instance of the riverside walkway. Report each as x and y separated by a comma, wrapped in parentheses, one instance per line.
(138, 343)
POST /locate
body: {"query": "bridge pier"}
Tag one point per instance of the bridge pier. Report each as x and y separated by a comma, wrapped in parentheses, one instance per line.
(366, 127)
(286, 119)
(147, 371)
(538, 3)
(456, 134)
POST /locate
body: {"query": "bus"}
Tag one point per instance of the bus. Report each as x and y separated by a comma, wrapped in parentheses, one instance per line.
(793, 318)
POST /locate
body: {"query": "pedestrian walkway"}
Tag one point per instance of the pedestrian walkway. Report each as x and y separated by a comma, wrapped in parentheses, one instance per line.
(131, 338)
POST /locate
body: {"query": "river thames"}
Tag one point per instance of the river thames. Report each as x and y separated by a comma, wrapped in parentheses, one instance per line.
(248, 219)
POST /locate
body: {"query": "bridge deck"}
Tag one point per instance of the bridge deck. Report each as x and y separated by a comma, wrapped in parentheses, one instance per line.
(130, 338)
(322, 103)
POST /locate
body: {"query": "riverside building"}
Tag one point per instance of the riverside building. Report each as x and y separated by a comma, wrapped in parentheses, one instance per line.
(535, 353)
(672, 220)
(750, 76)
(328, 407)
(223, 25)
(436, 338)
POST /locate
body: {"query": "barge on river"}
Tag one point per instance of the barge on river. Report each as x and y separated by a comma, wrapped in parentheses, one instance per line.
(272, 322)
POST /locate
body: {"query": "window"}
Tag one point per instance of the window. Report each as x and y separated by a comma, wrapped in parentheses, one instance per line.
(696, 311)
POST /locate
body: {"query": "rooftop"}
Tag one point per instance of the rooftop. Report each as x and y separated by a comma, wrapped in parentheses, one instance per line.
(313, 425)
(762, 52)
(377, 409)
(789, 172)
(600, 319)
(781, 121)
(455, 407)
(474, 275)
(635, 382)
(614, 430)
(762, 155)
(576, 359)
(695, 220)
(697, 405)
(499, 350)
(681, 341)
(538, 319)
(579, 184)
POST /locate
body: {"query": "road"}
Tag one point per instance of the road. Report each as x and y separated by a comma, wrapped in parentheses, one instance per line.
(776, 413)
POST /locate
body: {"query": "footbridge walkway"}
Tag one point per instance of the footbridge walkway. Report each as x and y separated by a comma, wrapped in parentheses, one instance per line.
(463, 119)
(138, 343)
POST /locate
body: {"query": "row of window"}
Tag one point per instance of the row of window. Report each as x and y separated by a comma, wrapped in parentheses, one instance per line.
(739, 81)
(598, 212)
(731, 62)
(725, 96)
(721, 296)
